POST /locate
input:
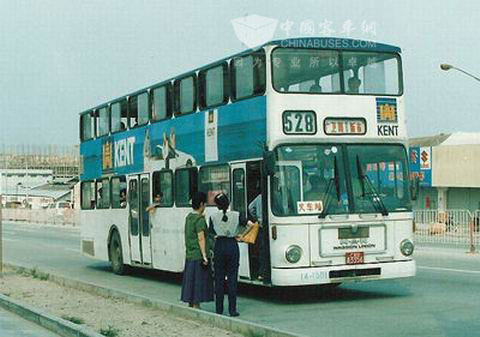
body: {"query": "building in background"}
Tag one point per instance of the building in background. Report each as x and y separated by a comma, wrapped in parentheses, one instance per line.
(447, 166)
(35, 176)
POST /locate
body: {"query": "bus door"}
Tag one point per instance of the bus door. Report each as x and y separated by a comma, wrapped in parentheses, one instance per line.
(139, 222)
(134, 219)
(239, 204)
(146, 241)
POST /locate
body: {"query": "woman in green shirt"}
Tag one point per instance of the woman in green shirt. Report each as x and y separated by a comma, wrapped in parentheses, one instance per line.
(197, 285)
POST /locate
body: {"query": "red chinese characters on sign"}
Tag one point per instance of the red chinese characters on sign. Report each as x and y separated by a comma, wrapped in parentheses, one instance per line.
(344, 126)
(309, 207)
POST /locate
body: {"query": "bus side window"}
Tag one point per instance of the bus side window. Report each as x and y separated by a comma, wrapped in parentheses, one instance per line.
(163, 185)
(185, 186)
(118, 116)
(161, 103)
(214, 86)
(88, 195)
(185, 95)
(119, 192)
(103, 193)
(138, 113)
(248, 75)
(214, 180)
(102, 118)
(86, 126)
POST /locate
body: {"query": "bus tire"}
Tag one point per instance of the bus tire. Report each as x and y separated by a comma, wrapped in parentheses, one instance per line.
(116, 256)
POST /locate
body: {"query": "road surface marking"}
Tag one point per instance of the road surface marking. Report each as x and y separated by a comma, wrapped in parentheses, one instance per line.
(450, 269)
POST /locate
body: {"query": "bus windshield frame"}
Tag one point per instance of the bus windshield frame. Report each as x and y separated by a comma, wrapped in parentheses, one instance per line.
(333, 71)
(306, 174)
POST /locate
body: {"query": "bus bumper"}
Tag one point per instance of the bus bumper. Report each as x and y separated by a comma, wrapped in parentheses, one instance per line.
(343, 273)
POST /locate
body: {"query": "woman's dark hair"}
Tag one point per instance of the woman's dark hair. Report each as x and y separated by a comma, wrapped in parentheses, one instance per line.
(222, 202)
(197, 199)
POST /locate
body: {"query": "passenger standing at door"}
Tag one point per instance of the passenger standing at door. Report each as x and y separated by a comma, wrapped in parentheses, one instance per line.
(197, 285)
(226, 226)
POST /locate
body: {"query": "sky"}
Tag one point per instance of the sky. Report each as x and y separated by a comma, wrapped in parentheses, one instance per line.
(61, 57)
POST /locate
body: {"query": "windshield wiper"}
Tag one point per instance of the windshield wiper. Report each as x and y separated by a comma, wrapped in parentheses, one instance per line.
(376, 200)
(327, 196)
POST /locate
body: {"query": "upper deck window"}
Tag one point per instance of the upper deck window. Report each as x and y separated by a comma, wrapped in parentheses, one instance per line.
(138, 113)
(103, 126)
(119, 115)
(161, 103)
(185, 95)
(371, 73)
(322, 71)
(248, 73)
(213, 88)
(306, 70)
(86, 126)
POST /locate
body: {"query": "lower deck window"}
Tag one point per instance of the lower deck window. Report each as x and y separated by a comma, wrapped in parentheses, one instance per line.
(214, 180)
(88, 195)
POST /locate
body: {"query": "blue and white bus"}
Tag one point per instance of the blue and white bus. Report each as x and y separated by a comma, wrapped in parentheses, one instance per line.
(314, 125)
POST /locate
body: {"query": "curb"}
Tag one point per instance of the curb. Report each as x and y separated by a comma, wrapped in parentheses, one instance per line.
(44, 319)
(228, 323)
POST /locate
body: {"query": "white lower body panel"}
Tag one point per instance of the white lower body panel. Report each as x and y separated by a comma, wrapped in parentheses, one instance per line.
(343, 273)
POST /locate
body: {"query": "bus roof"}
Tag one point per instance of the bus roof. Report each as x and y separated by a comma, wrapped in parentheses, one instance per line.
(334, 43)
(330, 43)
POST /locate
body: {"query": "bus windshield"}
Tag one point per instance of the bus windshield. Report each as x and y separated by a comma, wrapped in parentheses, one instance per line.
(306, 175)
(312, 179)
(378, 174)
(328, 71)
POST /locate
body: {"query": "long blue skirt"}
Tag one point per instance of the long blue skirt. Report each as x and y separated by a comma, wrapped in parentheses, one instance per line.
(197, 284)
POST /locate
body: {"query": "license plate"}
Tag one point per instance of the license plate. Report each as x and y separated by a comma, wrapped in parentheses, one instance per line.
(354, 257)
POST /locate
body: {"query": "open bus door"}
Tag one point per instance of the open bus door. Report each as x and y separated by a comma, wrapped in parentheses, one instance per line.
(245, 187)
(239, 204)
(139, 221)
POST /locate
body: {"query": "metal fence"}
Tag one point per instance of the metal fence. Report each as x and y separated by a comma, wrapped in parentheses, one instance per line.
(42, 216)
(453, 226)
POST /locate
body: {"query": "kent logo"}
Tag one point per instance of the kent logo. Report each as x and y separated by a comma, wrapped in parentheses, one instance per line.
(124, 152)
(387, 130)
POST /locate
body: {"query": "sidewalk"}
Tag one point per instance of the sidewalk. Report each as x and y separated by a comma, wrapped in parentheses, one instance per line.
(13, 325)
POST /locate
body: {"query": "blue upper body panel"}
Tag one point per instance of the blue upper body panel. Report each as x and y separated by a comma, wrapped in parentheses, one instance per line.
(231, 132)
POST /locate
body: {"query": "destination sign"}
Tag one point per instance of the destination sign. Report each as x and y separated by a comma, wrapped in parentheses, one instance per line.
(344, 126)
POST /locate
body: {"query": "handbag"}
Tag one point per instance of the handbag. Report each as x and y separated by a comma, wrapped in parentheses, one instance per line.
(250, 236)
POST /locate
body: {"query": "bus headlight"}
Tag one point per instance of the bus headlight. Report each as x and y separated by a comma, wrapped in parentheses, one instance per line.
(293, 254)
(406, 247)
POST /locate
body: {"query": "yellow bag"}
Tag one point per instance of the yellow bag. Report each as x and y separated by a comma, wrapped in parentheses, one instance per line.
(251, 235)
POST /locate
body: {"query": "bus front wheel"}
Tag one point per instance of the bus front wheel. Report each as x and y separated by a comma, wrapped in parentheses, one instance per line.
(116, 256)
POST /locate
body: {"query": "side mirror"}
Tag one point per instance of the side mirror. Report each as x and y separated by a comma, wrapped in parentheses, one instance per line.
(414, 188)
(269, 163)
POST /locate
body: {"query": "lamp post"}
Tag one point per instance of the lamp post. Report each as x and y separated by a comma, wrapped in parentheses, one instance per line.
(447, 67)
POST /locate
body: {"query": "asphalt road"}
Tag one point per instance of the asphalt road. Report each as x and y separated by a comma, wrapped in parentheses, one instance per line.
(442, 300)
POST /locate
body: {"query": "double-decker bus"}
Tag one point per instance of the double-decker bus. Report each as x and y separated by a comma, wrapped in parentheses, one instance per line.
(316, 126)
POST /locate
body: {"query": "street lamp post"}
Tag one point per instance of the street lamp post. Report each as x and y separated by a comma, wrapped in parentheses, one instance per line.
(447, 67)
